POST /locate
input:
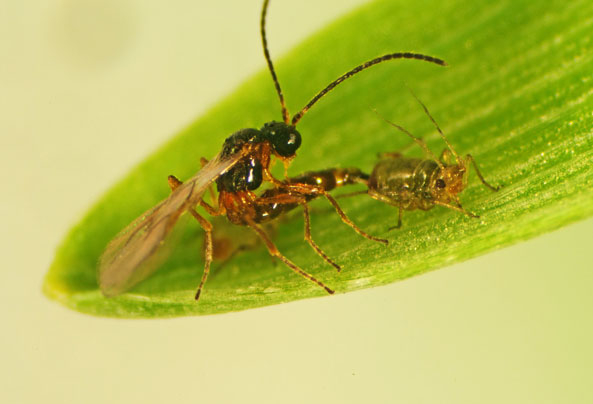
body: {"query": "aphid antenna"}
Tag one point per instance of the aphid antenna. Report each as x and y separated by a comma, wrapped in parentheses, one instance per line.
(416, 139)
(457, 158)
(262, 26)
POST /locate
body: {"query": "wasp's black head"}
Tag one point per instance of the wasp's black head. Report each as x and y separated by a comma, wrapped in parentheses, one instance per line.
(285, 139)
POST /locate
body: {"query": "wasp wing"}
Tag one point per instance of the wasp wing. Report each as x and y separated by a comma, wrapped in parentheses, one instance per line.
(131, 256)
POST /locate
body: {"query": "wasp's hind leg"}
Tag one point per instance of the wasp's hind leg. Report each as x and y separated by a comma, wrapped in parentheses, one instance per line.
(273, 250)
(290, 199)
(312, 243)
(349, 222)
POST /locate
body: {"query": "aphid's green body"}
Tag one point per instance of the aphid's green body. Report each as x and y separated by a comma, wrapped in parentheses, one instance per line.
(404, 182)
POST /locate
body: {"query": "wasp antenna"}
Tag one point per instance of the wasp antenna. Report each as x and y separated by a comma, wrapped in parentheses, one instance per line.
(416, 139)
(262, 26)
(457, 158)
(359, 68)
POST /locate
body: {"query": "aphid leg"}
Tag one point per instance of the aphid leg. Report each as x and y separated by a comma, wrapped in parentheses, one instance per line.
(173, 182)
(312, 243)
(399, 219)
(207, 226)
(456, 208)
(349, 222)
(273, 250)
(469, 157)
(203, 162)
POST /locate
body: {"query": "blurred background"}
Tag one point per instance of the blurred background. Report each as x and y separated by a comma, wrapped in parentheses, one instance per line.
(90, 87)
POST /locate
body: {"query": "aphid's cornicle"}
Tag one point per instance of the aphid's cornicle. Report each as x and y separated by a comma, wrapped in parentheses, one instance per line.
(238, 170)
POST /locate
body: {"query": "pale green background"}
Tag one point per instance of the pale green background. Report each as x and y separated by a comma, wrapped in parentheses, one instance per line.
(90, 87)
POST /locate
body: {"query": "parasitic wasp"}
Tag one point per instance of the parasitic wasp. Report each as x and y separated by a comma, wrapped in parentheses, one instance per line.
(240, 168)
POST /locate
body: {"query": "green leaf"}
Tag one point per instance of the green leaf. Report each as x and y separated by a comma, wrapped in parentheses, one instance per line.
(517, 95)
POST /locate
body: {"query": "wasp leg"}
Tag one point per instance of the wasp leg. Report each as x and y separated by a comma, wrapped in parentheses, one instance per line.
(273, 250)
(174, 182)
(289, 199)
(312, 243)
(469, 157)
(207, 226)
(306, 189)
(268, 175)
(211, 210)
(220, 210)
(349, 222)
(282, 199)
(456, 208)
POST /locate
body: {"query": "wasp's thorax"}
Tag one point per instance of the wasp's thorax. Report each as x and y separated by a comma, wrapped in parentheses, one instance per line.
(275, 138)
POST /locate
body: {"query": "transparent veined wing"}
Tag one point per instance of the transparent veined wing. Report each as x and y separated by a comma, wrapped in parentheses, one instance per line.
(131, 256)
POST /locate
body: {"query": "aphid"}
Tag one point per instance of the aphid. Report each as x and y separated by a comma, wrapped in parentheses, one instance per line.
(238, 170)
(414, 183)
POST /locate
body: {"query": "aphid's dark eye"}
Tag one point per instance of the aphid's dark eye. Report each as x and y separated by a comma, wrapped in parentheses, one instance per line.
(285, 139)
(441, 183)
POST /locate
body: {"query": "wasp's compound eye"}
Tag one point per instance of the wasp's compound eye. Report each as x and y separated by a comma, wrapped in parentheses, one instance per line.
(285, 139)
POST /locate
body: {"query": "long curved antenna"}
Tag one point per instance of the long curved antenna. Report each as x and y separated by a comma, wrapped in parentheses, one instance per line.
(357, 69)
(262, 28)
(457, 158)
